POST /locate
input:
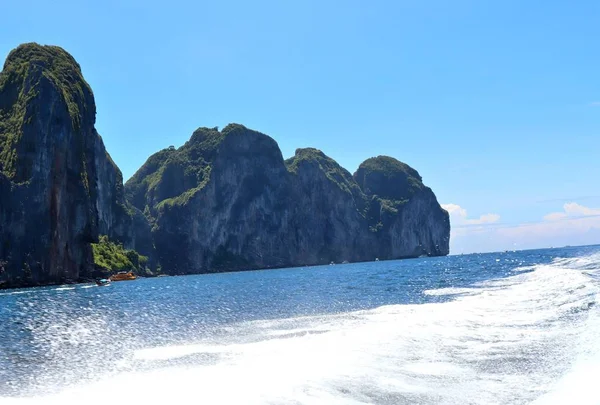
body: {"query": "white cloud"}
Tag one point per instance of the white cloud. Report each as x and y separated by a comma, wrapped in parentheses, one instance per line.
(575, 225)
(569, 231)
(555, 216)
(595, 104)
(574, 220)
(572, 210)
(458, 216)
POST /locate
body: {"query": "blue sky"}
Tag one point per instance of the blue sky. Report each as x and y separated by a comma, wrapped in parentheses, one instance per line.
(495, 103)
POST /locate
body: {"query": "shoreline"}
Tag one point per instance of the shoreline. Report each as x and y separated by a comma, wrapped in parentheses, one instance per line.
(6, 286)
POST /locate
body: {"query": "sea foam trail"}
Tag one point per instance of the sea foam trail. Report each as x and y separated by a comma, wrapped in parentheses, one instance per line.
(530, 338)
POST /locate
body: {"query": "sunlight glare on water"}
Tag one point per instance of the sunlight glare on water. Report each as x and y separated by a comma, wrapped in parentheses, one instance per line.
(466, 331)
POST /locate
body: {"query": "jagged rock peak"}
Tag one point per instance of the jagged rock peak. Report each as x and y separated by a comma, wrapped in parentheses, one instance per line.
(44, 55)
(27, 64)
(387, 177)
(212, 137)
(310, 153)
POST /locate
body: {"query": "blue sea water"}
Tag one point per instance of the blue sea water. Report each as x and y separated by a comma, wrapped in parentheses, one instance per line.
(500, 328)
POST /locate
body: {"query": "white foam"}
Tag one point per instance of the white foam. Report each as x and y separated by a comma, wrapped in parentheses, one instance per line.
(451, 291)
(15, 292)
(174, 352)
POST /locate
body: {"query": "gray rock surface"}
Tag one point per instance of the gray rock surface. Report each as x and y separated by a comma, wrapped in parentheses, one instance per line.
(59, 187)
(226, 200)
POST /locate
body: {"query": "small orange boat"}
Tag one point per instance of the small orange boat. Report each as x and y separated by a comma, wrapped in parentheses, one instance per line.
(123, 276)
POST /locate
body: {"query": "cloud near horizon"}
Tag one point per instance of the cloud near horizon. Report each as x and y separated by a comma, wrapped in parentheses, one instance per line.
(572, 210)
(458, 216)
(575, 225)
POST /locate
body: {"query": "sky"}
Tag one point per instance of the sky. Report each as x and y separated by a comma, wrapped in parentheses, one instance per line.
(495, 103)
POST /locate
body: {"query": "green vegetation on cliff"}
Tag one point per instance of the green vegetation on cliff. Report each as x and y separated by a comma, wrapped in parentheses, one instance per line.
(110, 257)
(172, 176)
(27, 70)
(58, 66)
(332, 170)
(390, 184)
(388, 178)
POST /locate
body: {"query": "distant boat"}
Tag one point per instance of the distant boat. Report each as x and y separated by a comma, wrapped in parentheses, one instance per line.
(123, 276)
(377, 259)
(102, 282)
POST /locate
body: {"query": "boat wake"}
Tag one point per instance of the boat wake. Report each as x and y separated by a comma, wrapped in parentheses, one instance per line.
(533, 337)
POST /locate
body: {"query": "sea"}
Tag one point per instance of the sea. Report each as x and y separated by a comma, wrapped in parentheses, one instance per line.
(498, 328)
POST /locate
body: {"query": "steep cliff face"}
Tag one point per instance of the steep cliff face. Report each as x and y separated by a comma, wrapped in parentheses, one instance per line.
(220, 202)
(60, 189)
(226, 200)
(329, 219)
(402, 212)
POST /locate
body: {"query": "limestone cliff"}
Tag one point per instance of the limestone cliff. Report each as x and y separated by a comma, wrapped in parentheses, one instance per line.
(329, 211)
(226, 200)
(402, 212)
(59, 187)
(220, 202)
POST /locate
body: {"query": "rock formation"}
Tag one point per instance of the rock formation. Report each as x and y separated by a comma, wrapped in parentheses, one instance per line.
(226, 200)
(59, 188)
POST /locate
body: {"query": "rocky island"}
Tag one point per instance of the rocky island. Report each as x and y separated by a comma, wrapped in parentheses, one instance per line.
(226, 200)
